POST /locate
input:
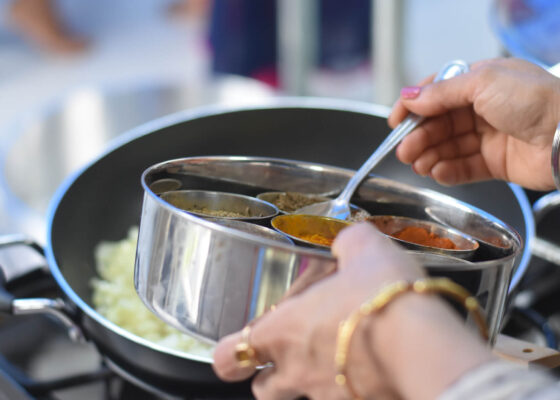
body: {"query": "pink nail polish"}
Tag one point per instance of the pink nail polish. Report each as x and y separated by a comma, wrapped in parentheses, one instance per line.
(410, 92)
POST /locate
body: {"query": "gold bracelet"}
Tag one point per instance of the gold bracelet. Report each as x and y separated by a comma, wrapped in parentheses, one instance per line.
(555, 158)
(380, 301)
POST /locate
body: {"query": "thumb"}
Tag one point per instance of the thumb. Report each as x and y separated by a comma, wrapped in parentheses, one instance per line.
(439, 97)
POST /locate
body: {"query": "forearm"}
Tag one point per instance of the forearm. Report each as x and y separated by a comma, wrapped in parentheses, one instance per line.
(424, 346)
(500, 380)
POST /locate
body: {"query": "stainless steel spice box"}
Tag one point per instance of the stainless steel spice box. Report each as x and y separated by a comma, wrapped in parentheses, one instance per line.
(210, 280)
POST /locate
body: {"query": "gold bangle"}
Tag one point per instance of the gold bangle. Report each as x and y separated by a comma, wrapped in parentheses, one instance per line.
(380, 301)
(555, 158)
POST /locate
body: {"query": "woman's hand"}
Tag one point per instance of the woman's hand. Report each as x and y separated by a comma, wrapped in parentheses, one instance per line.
(496, 121)
(299, 336)
(38, 22)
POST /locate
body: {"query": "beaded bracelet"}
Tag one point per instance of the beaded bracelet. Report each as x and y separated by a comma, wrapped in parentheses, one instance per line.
(555, 158)
(388, 293)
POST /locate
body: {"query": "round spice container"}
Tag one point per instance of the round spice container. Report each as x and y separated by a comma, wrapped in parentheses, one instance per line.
(427, 236)
(492, 236)
(211, 280)
(309, 230)
(220, 204)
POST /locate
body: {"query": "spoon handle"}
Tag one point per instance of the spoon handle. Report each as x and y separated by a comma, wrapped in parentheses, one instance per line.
(410, 123)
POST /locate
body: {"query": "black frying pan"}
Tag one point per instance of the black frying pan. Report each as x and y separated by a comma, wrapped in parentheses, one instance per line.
(104, 200)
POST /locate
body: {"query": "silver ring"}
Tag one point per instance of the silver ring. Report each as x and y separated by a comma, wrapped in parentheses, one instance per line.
(555, 158)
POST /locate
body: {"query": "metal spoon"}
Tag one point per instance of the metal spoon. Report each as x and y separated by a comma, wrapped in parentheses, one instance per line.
(339, 207)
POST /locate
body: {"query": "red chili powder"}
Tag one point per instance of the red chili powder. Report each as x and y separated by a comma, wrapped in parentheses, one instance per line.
(423, 237)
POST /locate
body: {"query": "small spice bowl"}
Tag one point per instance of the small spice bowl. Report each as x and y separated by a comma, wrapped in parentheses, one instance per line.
(491, 234)
(220, 205)
(290, 202)
(309, 230)
(416, 234)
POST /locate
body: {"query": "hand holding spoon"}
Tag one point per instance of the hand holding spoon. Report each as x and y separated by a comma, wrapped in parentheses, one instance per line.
(340, 207)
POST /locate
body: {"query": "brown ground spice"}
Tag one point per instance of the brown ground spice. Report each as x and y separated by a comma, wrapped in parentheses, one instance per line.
(293, 201)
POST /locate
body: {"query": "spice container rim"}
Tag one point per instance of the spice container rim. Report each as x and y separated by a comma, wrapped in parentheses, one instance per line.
(298, 238)
(424, 224)
(501, 227)
(382, 182)
(262, 196)
(317, 251)
(210, 193)
(259, 230)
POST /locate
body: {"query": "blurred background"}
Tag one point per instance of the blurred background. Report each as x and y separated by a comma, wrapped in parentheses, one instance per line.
(74, 75)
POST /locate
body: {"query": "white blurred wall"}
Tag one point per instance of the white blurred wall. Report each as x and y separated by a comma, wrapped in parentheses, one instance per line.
(411, 40)
(414, 38)
(436, 31)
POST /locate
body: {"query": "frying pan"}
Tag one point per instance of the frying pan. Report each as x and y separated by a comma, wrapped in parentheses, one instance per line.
(102, 201)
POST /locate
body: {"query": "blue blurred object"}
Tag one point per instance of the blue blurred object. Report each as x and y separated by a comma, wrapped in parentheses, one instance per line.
(243, 36)
(345, 33)
(529, 29)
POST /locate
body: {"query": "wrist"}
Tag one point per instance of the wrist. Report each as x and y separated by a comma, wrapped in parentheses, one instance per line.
(422, 346)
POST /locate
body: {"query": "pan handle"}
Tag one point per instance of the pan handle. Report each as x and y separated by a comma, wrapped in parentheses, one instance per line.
(9, 304)
(542, 248)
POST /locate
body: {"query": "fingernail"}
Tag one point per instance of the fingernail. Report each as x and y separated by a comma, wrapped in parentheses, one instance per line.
(416, 171)
(397, 153)
(410, 92)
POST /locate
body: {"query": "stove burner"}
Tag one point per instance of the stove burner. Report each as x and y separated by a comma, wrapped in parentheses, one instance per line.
(39, 361)
(10, 389)
(108, 382)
